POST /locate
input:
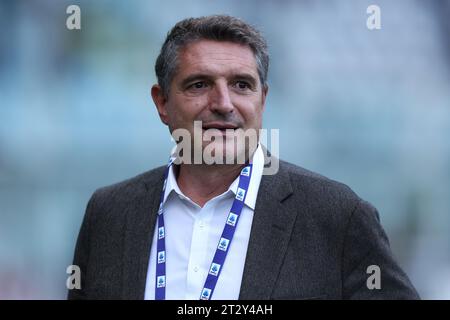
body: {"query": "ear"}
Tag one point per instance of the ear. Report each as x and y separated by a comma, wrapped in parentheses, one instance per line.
(264, 92)
(160, 102)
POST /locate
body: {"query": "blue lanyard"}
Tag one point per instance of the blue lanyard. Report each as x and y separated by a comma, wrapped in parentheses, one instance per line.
(222, 248)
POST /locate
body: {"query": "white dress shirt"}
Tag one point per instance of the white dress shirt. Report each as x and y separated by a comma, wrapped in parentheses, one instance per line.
(192, 236)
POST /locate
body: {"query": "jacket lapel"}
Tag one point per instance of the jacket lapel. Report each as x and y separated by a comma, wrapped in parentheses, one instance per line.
(138, 238)
(271, 230)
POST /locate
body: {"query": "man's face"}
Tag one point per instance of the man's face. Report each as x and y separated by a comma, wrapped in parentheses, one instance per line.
(216, 83)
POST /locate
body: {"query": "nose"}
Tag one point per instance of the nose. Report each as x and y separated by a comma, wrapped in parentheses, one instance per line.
(220, 100)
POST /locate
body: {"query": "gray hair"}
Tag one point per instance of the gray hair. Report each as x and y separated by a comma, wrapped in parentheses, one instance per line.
(216, 27)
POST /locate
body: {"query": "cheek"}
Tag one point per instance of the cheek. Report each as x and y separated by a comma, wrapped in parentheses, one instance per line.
(252, 112)
(197, 110)
(183, 111)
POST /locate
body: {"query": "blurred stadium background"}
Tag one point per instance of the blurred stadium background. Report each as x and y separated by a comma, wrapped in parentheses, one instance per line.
(368, 108)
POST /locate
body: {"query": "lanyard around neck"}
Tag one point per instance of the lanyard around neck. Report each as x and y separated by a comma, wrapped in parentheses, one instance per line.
(223, 246)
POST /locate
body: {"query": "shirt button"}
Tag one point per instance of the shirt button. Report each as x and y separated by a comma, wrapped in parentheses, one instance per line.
(196, 269)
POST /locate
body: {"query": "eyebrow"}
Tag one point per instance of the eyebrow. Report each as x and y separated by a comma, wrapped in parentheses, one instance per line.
(193, 77)
(203, 76)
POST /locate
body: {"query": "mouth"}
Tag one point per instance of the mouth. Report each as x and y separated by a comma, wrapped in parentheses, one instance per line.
(223, 127)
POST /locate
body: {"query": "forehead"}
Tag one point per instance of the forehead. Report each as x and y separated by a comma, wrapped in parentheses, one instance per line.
(216, 58)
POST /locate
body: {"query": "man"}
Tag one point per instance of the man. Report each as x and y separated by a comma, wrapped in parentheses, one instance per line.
(192, 230)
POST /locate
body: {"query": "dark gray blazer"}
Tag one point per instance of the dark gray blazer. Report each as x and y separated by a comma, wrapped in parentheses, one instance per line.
(311, 237)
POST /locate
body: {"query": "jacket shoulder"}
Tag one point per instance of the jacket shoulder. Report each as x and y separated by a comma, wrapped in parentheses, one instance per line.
(130, 187)
(321, 191)
(304, 177)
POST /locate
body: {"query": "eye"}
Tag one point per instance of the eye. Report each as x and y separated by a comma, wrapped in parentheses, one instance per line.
(242, 85)
(198, 85)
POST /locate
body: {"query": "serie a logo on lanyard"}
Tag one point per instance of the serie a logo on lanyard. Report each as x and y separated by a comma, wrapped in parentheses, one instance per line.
(222, 247)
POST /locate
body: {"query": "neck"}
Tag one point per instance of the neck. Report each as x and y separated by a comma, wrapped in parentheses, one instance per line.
(201, 182)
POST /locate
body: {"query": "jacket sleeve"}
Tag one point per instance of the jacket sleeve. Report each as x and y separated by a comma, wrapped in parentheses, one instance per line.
(82, 250)
(367, 255)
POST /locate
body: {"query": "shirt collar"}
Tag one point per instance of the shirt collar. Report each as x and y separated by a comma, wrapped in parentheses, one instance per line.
(252, 192)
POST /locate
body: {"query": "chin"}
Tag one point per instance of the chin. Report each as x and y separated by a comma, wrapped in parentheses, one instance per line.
(219, 152)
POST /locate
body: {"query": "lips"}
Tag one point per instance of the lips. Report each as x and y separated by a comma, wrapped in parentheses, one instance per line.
(219, 125)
